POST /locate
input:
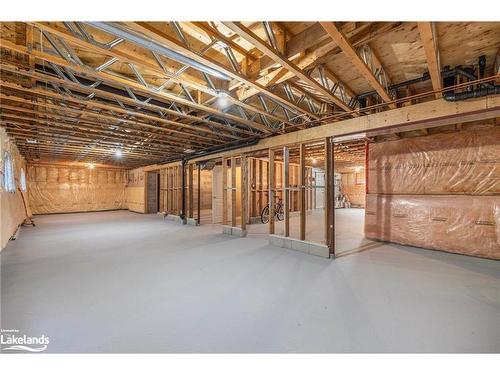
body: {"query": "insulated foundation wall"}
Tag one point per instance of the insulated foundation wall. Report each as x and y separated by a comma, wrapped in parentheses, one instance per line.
(458, 224)
(353, 185)
(56, 188)
(440, 191)
(135, 195)
(12, 209)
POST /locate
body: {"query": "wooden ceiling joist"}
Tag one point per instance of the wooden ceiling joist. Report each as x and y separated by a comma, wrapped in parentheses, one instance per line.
(138, 87)
(110, 96)
(343, 42)
(162, 37)
(430, 43)
(151, 66)
(155, 90)
(321, 55)
(56, 124)
(139, 118)
(96, 118)
(248, 35)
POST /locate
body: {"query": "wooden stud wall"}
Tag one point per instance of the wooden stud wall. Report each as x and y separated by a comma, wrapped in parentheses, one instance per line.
(171, 190)
(259, 185)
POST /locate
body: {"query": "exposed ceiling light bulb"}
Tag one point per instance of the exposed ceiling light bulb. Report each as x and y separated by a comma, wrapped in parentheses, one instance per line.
(314, 161)
(118, 153)
(357, 169)
(222, 99)
(91, 166)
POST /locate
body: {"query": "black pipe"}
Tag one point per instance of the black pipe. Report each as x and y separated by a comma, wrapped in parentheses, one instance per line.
(424, 78)
(446, 74)
(211, 151)
(477, 93)
(482, 65)
(468, 73)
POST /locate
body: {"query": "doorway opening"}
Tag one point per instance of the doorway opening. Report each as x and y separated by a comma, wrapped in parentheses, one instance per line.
(153, 192)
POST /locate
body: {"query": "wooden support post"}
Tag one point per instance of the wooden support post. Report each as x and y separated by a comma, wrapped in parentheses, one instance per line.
(265, 184)
(244, 191)
(286, 189)
(190, 191)
(315, 189)
(253, 198)
(367, 147)
(162, 202)
(199, 195)
(224, 191)
(260, 186)
(174, 190)
(233, 191)
(302, 191)
(310, 182)
(168, 199)
(271, 185)
(171, 190)
(329, 196)
(332, 213)
(180, 191)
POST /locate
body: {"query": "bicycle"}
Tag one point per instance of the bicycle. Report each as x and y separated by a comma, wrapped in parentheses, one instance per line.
(278, 211)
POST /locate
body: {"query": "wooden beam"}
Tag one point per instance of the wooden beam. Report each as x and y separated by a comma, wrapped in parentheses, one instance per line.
(424, 115)
(190, 191)
(233, 191)
(104, 94)
(198, 201)
(302, 191)
(140, 119)
(244, 191)
(119, 82)
(272, 191)
(253, 192)
(249, 36)
(225, 189)
(218, 35)
(50, 119)
(329, 196)
(339, 37)
(314, 34)
(286, 189)
(148, 64)
(85, 116)
(170, 42)
(322, 54)
(429, 41)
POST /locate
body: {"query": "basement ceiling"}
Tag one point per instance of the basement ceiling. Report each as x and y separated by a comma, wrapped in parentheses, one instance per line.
(138, 93)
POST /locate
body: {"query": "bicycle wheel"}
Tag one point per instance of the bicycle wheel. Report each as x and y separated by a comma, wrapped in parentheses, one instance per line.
(264, 216)
(280, 214)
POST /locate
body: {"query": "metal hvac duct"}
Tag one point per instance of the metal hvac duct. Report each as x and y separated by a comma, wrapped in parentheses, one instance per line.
(151, 45)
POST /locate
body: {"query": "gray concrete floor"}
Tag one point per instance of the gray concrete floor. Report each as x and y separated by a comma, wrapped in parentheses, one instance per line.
(126, 282)
(349, 223)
